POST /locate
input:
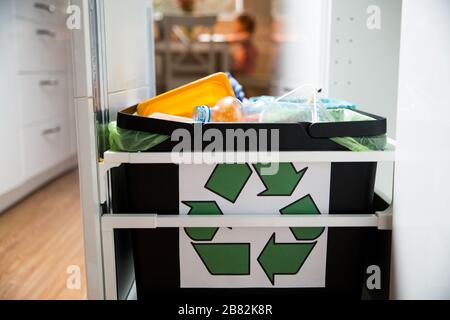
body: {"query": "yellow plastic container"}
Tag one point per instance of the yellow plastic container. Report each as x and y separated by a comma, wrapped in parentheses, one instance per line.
(183, 100)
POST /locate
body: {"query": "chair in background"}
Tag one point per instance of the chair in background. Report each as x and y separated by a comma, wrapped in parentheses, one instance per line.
(185, 58)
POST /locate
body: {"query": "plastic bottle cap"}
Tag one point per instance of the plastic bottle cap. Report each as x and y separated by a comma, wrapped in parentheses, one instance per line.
(203, 114)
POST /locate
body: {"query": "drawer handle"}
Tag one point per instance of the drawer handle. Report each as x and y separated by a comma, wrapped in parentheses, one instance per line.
(50, 8)
(51, 131)
(49, 83)
(45, 32)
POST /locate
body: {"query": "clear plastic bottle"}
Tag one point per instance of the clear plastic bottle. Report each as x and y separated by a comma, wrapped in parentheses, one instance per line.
(253, 109)
(231, 109)
(284, 112)
(228, 109)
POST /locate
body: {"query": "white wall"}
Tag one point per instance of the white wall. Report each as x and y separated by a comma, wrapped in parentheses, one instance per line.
(421, 236)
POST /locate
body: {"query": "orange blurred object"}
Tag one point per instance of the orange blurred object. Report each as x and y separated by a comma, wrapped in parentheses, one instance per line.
(183, 100)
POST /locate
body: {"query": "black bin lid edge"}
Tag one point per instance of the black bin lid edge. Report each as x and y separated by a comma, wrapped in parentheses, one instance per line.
(127, 120)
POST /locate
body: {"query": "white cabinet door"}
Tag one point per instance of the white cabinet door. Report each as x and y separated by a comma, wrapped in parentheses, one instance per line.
(127, 35)
(421, 237)
(45, 145)
(40, 48)
(364, 60)
(42, 11)
(125, 27)
(42, 97)
(10, 154)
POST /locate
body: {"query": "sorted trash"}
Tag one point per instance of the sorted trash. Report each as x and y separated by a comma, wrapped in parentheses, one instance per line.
(237, 88)
(327, 103)
(183, 100)
(285, 112)
(228, 109)
(215, 100)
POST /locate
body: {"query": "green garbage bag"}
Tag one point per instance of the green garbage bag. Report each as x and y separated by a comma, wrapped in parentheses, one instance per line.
(360, 144)
(357, 144)
(122, 140)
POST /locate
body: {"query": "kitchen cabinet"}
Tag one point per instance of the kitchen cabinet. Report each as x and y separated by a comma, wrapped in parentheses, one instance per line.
(37, 118)
(10, 170)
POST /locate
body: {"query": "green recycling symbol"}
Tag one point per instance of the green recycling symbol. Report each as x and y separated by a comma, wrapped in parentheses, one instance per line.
(233, 259)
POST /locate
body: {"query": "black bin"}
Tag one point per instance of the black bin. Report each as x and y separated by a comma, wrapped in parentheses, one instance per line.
(155, 188)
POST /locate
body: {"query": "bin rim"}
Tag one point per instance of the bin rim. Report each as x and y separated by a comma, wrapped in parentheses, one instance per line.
(129, 120)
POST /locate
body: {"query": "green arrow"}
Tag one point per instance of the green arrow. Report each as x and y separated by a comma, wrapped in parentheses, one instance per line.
(305, 205)
(283, 258)
(225, 259)
(202, 208)
(228, 180)
(283, 183)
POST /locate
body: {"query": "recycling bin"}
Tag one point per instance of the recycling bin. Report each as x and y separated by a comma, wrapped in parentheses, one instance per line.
(213, 262)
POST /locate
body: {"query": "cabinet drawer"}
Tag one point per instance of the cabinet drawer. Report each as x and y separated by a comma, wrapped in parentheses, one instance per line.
(45, 146)
(42, 11)
(40, 48)
(42, 97)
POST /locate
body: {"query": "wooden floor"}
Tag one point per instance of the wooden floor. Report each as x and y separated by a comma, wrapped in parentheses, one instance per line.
(39, 239)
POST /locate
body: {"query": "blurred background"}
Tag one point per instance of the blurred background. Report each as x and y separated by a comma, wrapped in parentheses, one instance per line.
(253, 38)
